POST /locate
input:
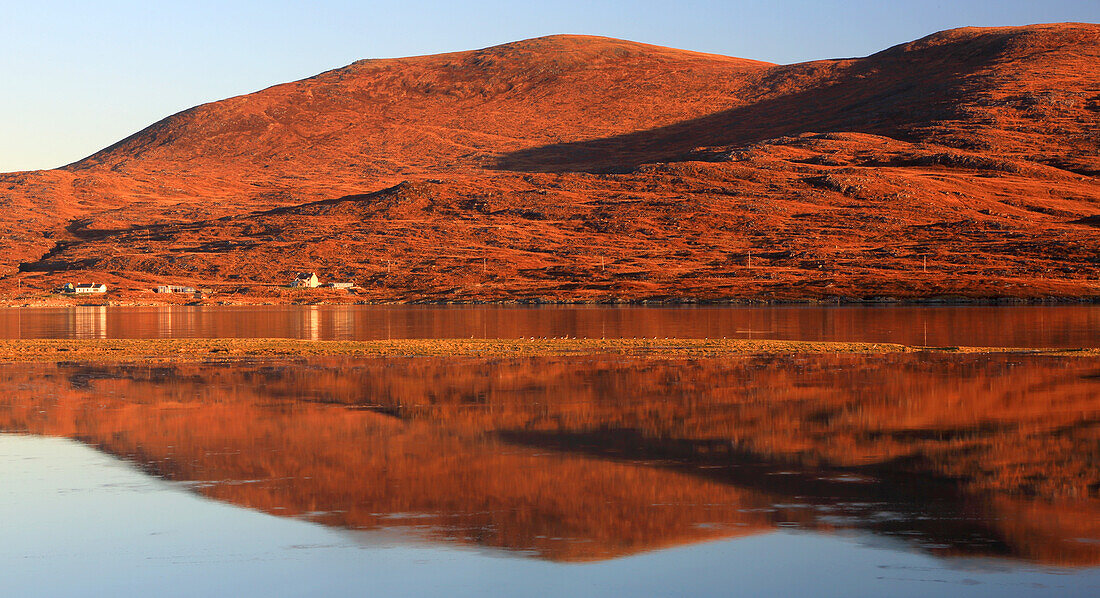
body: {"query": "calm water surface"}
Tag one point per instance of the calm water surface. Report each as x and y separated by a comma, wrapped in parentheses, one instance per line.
(1057, 326)
(822, 475)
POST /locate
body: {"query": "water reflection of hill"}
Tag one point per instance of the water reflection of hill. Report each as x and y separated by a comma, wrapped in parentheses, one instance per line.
(588, 458)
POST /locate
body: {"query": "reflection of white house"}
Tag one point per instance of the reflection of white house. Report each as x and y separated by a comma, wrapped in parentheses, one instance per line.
(90, 321)
(85, 287)
(306, 280)
(312, 327)
(343, 321)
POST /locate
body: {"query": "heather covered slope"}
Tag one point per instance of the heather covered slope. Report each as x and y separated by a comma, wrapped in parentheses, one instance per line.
(442, 113)
(366, 126)
(584, 168)
(1029, 92)
(883, 222)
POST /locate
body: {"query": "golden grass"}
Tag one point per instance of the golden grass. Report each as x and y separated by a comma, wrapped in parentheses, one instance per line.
(236, 348)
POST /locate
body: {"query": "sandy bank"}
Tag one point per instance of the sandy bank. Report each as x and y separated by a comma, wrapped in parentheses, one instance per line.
(233, 348)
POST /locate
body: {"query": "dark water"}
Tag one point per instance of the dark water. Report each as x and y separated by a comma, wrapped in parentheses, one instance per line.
(1022, 326)
(824, 475)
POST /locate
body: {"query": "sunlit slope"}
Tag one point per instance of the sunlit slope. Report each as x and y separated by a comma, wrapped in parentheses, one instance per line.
(973, 149)
(1026, 90)
(1031, 93)
(820, 216)
(440, 113)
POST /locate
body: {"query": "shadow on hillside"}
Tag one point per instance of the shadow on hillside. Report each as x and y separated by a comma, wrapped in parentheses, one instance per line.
(838, 108)
(887, 94)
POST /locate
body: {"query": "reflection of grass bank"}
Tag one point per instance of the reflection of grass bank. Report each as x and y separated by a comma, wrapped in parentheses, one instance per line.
(230, 348)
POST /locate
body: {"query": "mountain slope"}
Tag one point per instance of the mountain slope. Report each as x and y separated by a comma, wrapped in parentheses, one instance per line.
(442, 112)
(984, 138)
(816, 216)
(1032, 92)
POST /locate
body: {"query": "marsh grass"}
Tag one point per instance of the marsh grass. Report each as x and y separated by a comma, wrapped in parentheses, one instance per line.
(14, 350)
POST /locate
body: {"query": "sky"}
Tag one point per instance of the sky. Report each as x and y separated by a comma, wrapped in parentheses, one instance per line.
(78, 76)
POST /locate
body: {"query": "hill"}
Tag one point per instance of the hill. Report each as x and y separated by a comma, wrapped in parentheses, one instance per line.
(586, 168)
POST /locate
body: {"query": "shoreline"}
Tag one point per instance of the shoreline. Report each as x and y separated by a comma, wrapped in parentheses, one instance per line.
(64, 302)
(230, 349)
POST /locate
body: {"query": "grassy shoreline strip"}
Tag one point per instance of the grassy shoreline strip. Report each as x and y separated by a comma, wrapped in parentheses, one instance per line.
(13, 350)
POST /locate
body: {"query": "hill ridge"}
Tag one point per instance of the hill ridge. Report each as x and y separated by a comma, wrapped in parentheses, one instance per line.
(569, 142)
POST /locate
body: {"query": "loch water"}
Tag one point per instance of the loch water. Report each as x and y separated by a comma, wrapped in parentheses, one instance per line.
(929, 325)
(820, 475)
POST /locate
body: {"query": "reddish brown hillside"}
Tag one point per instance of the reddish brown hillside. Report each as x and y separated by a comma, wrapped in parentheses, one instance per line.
(368, 125)
(820, 216)
(1031, 92)
(972, 149)
(377, 117)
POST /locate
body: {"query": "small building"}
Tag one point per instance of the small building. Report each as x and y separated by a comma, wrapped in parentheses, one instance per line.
(305, 280)
(84, 287)
(339, 285)
(171, 288)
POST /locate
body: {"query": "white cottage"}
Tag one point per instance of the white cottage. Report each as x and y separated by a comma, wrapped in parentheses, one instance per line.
(305, 280)
(85, 287)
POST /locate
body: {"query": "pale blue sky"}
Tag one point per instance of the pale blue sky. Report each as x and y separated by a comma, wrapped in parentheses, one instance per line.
(80, 75)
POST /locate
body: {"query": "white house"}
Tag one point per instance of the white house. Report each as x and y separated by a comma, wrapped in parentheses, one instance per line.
(171, 288)
(305, 279)
(85, 287)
